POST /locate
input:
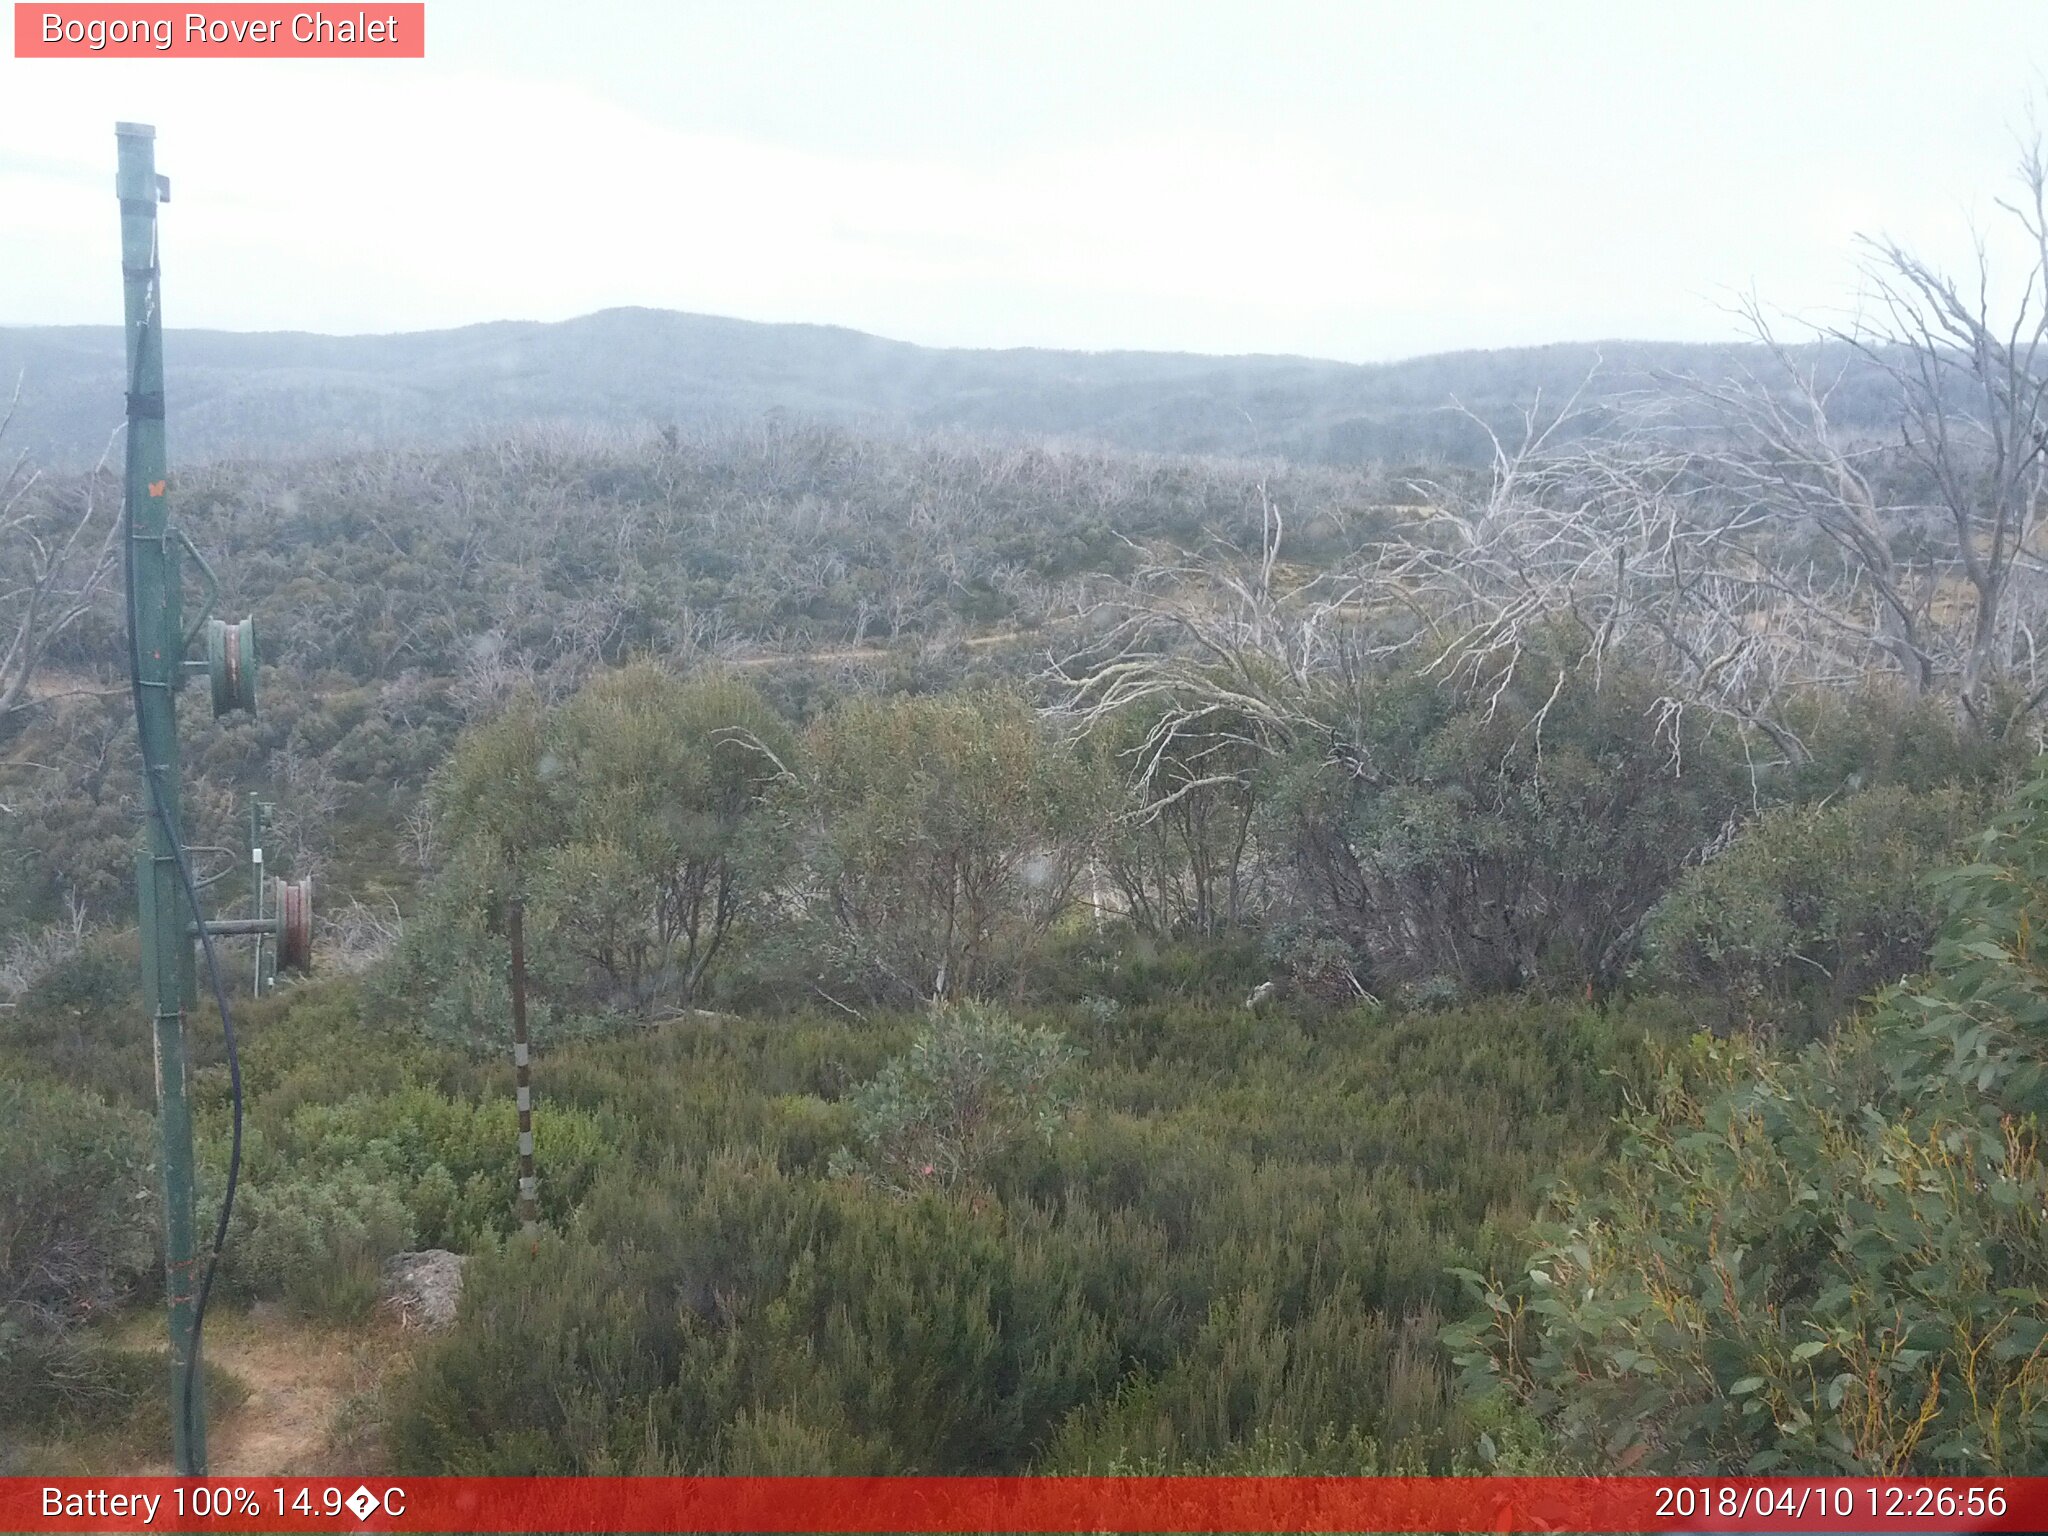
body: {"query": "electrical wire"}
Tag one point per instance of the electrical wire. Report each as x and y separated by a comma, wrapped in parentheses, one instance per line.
(187, 1399)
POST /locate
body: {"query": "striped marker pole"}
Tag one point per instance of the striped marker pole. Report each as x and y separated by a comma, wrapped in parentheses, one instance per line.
(529, 1186)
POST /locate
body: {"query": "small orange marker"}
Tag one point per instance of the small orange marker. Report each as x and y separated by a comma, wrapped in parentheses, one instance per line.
(156, 487)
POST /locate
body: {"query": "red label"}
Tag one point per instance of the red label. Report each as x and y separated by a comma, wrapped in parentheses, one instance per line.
(235, 31)
(956, 1506)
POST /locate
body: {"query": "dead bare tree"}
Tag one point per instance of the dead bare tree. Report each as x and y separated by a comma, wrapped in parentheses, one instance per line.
(358, 935)
(1973, 390)
(1566, 557)
(1214, 656)
(57, 555)
(1782, 456)
(1213, 670)
(1616, 548)
(1935, 526)
(33, 955)
(1742, 566)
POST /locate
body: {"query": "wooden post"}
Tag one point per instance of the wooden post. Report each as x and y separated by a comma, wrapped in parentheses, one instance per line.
(529, 1186)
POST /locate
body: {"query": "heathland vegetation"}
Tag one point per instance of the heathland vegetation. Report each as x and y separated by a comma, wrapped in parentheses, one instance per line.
(1071, 959)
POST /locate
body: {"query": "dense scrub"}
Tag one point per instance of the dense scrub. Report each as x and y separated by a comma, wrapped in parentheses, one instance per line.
(1154, 1228)
(1129, 1016)
(1123, 1219)
(400, 596)
(1834, 1261)
(679, 841)
(1811, 907)
(1241, 1229)
(75, 1234)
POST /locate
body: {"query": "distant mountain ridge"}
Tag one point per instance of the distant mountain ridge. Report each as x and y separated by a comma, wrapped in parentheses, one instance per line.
(266, 394)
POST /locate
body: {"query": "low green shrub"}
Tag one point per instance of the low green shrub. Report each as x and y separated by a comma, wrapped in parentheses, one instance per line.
(362, 1140)
(973, 1083)
(74, 1204)
(76, 1219)
(1119, 964)
(82, 1023)
(1826, 1264)
(1810, 908)
(316, 1244)
(702, 1319)
(1243, 1232)
(65, 1384)
(98, 1400)
(452, 1162)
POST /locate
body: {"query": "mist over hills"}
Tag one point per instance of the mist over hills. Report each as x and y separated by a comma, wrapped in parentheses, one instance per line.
(267, 394)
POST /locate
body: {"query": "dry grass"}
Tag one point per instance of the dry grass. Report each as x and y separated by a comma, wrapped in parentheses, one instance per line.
(288, 1398)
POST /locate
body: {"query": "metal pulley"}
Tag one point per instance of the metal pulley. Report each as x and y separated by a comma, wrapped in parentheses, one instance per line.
(231, 663)
(293, 902)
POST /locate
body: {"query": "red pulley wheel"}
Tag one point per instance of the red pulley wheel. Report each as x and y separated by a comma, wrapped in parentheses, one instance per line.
(294, 924)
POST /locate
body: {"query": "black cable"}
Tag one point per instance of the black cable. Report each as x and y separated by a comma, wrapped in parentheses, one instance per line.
(227, 1199)
(162, 812)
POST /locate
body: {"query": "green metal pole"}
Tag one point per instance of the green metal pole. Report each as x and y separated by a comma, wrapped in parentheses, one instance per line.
(156, 622)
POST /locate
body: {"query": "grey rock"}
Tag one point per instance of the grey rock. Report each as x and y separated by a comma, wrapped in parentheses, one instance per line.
(425, 1288)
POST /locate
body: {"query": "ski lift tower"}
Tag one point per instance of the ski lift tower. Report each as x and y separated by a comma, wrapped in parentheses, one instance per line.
(156, 555)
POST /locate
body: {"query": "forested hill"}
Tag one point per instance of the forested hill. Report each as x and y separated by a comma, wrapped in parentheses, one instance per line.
(262, 394)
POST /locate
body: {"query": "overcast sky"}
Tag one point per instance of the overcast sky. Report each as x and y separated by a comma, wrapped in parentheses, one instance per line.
(1357, 180)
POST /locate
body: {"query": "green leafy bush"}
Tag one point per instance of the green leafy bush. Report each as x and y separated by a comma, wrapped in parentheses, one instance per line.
(628, 819)
(82, 1023)
(316, 1243)
(1116, 962)
(732, 1316)
(449, 1164)
(363, 1139)
(941, 840)
(75, 1229)
(97, 978)
(74, 1203)
(91, 1398)
(973, 1083)
(1833, 1263)
(449, 977)
(663, 849)
(1494, 836)
(1809, 908)
(1879, 735)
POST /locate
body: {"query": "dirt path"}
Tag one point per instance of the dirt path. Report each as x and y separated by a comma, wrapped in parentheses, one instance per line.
(301, 1379)
(305, 1382)
(870, 654)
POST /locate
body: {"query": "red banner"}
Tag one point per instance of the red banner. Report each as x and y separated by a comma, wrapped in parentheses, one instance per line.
(232, 31)
(1022, 1504)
